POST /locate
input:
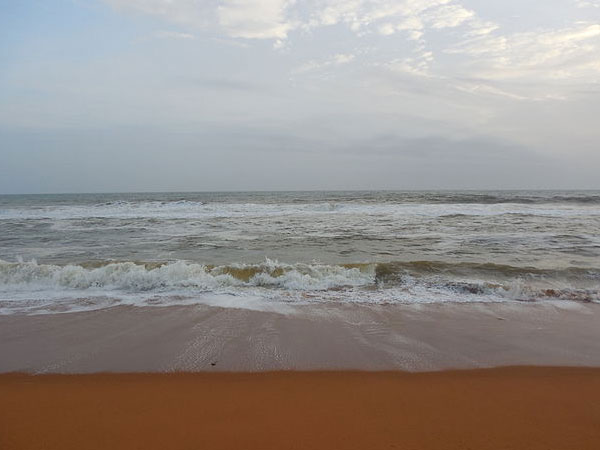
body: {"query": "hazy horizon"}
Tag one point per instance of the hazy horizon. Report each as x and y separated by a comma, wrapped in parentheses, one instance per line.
(283, 191)
(275, 95)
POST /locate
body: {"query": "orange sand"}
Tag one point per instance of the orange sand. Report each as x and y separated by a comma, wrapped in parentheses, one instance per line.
(506, 408)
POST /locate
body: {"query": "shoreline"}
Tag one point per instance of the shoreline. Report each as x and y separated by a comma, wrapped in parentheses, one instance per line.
(414, 338)
(501, 408)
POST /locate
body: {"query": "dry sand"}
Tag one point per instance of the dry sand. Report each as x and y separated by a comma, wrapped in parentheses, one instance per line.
(507, 408)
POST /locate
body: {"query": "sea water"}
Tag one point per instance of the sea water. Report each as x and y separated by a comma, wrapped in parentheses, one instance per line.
(73, 252)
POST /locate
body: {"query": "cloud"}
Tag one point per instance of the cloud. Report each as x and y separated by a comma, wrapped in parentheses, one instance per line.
(587, 3)
(449, 16)
(226, 84)
(417, 66)
(174, 35)
(255, 19)
(563, 54)
(275, 19)
(248, 19)
(390, 16)
(443, 39)
(335, 60)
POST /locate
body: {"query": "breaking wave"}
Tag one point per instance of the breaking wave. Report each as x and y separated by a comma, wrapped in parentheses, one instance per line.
(139, 277)
(31, 288)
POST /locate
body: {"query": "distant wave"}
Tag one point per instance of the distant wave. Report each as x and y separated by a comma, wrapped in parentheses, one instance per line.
(184, 209)
(508, 197)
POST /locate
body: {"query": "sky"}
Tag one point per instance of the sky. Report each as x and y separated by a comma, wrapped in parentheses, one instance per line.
(191, 95)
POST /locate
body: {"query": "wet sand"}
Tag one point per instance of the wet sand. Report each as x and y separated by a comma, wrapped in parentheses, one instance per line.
(309, 337)
(507, 408)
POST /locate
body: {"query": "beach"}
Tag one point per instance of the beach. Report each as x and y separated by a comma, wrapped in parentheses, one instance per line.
(316, 320)
(344, 377)
(507, 408)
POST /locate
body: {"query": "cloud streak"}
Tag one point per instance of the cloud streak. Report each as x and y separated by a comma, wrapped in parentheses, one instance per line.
(483, 50)
(174, 35)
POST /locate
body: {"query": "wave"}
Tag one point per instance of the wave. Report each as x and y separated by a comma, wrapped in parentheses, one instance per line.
(198, 210)
(511, 197)
(141, 277)
(32, 288)
(391, 270)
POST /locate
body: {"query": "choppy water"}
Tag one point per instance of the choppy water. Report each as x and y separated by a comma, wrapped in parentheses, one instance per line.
(62, 253)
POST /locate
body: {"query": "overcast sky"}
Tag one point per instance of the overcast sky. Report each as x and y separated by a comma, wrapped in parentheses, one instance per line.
(153, 95)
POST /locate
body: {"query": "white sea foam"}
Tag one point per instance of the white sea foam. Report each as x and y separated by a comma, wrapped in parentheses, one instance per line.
(32, 288)
(199, 210)
(134, 277)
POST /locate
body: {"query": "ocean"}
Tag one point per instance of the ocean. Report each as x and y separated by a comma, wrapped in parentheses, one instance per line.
(78, 252)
